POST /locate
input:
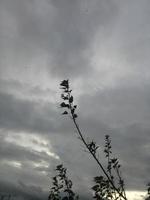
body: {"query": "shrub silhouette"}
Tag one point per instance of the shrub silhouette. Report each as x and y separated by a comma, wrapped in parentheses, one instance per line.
(61, 186)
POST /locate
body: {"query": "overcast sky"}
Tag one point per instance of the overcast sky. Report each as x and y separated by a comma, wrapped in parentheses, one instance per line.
(103, 47)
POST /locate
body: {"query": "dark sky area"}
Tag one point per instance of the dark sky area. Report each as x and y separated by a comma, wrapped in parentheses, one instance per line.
(103, 47)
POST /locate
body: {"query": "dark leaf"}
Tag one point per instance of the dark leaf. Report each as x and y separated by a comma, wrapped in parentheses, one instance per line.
(64, 97)
(64, 105)
(98, 179)
(95, 187)
(107, 136)
(75, 116)
(65, 113)
(64, 83)
(72, 111)
(71, 99)
(58, 167)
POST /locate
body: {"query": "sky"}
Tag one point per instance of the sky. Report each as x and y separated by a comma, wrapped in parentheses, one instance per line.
(102, 47)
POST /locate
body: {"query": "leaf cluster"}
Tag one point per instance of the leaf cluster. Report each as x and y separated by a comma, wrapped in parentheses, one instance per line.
(111, 185)
(61, 186)
(67, 103)
(103, 189)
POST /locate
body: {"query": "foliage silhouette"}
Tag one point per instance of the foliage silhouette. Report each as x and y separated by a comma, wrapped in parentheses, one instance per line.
(108, 186)
(111, 185)
(61, 186)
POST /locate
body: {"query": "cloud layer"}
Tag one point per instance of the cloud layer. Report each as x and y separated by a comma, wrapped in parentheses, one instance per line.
(103, 47)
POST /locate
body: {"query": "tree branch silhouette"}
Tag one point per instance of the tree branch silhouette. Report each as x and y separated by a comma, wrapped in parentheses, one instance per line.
(61, 186)
(70, 108)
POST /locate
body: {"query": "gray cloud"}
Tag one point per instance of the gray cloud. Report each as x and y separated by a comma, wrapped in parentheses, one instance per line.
(75, 32)
(103, 46)
(25, 115)
(118, 106)
(65, 40)
(21, 191)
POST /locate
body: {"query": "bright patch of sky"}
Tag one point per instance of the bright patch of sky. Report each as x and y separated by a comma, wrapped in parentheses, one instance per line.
(31, 142)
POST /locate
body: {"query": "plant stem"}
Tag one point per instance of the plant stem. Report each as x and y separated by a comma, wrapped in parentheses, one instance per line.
(96, 159)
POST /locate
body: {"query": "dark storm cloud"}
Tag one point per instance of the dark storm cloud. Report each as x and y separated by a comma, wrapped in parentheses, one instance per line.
(17, 114)
(75, 26)
(119, 106)
(37, 116)
(26, 90)
(27, 179)
(133, 36)
(21, 191)
(60, 38)
(64, 32)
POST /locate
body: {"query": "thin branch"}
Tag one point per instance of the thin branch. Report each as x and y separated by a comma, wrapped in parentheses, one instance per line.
(66, 96)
